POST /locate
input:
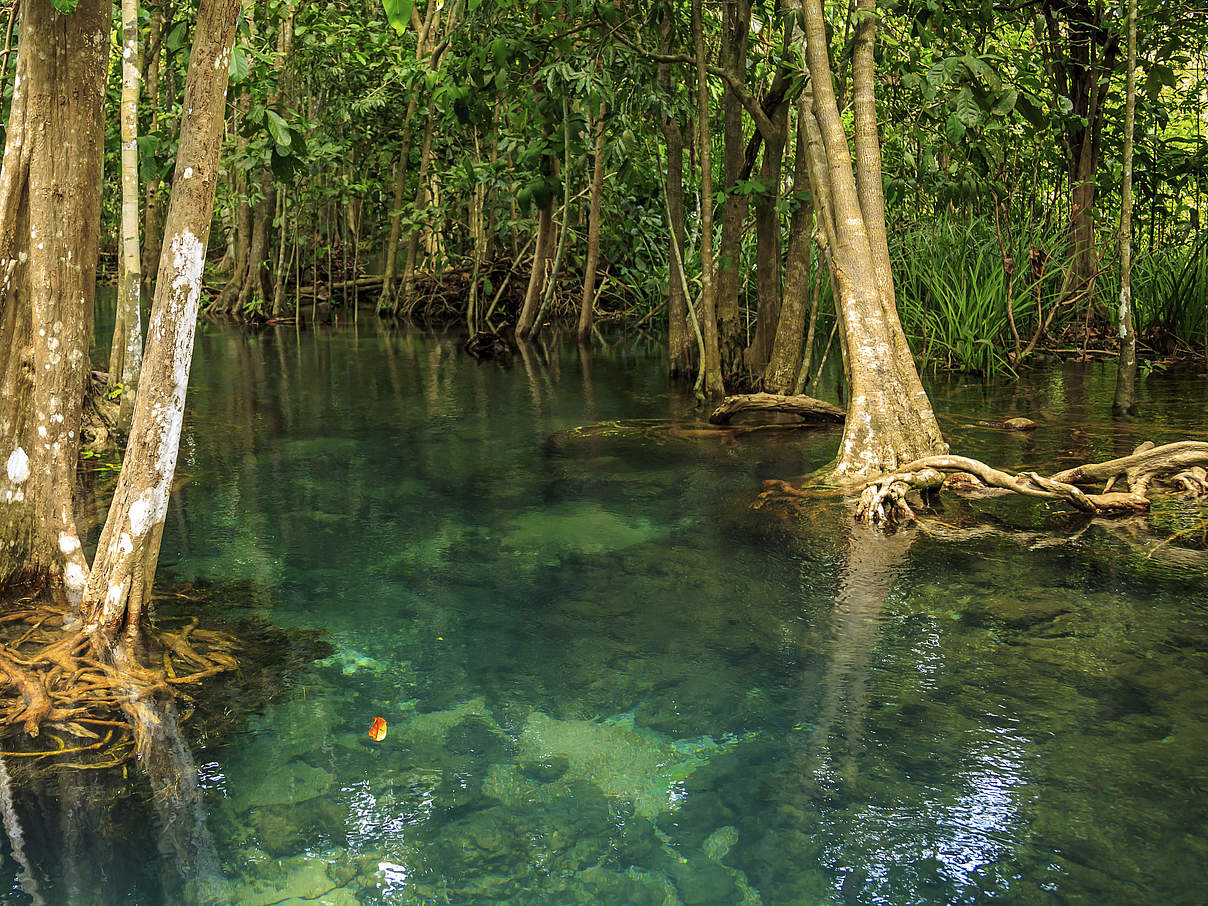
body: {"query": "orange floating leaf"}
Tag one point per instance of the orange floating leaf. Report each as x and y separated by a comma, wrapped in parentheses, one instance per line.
(377, 730)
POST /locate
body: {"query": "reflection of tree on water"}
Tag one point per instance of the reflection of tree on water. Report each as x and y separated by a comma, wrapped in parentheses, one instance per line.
(165, 756)
(71, 834)
(873, 561)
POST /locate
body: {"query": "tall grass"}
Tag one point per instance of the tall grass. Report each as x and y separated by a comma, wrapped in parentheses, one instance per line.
(953, 290)
(1170, 294)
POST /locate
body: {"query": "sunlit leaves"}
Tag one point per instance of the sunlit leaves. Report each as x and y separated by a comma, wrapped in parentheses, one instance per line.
(398, 13)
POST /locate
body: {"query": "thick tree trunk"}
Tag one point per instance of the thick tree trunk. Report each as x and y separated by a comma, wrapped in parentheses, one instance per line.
(889, 418)
(1126, 373)
(120, 583)
(587, 309)
(712, 383)
(126, 355)
(49, 230)
(422, 197)
(736, 27)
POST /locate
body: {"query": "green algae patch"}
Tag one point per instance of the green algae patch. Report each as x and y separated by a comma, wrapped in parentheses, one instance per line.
(620, 759)
(576, 528)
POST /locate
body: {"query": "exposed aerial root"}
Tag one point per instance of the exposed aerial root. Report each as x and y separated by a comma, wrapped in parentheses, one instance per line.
(1179, 467)
(58, 684)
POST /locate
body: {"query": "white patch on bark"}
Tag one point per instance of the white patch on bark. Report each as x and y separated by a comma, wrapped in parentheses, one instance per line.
(125, 544)
(1125, 313)
(68, 544)
(188, 172)
(141, 512)
(17, 466)
(74, 578)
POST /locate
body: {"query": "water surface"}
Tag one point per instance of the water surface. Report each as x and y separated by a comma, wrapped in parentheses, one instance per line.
(609, 679)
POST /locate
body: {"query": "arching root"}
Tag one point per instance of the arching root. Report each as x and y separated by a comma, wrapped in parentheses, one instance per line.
(55, 682)
(1180, 467)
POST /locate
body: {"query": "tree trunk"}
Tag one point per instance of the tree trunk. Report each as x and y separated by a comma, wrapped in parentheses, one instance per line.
(49, 233)
(889, 418)
(681, 349)
(253, 292)
(713, 384)
(151, 214)
(785, 362)
(736, 26)
(587, 310)
(421, 203)
(120, 583)
(533, 294)
(767, 244)
(126, 355)
(1126, 373)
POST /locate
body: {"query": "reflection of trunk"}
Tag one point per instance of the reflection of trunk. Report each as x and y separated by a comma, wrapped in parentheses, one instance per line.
(767, 242)
(785, 362)
(1126, 373)
(126, 347)
(889, 418)
(49, 224)
(120, 583)
(873, 560)
(172, 774)
(587, 310)
(736, 28)
(680, 346)
(711, 367)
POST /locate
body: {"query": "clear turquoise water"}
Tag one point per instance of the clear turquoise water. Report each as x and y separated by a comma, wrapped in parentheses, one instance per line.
(608, 679)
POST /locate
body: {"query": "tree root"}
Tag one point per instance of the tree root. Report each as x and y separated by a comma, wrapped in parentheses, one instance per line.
(57, 683)
(1178, 466)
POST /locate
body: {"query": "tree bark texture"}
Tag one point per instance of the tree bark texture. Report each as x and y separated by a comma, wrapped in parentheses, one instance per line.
(889, 418)
(49, 231)
(126, 356)
(120, 582)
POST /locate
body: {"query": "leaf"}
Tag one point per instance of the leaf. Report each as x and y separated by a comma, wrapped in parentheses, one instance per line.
(955, 129)
(398, 13)
(239, 65)
(967, 110)
(377, 730)
(176, 37)
(1006, 102)
(1031, 110)
(472, 5)
(980, 69)
(277, 130)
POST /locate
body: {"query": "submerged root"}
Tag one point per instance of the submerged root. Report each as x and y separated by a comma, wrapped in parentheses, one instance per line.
(57, 685)
(1177, 467)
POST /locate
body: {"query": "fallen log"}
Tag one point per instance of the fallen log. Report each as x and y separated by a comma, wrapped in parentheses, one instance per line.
(806, 407)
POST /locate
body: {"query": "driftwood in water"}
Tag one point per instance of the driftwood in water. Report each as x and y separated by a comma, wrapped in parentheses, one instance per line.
(806, 407)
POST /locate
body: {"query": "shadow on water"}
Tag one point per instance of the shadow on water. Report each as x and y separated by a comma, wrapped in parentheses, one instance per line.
(608, 679)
